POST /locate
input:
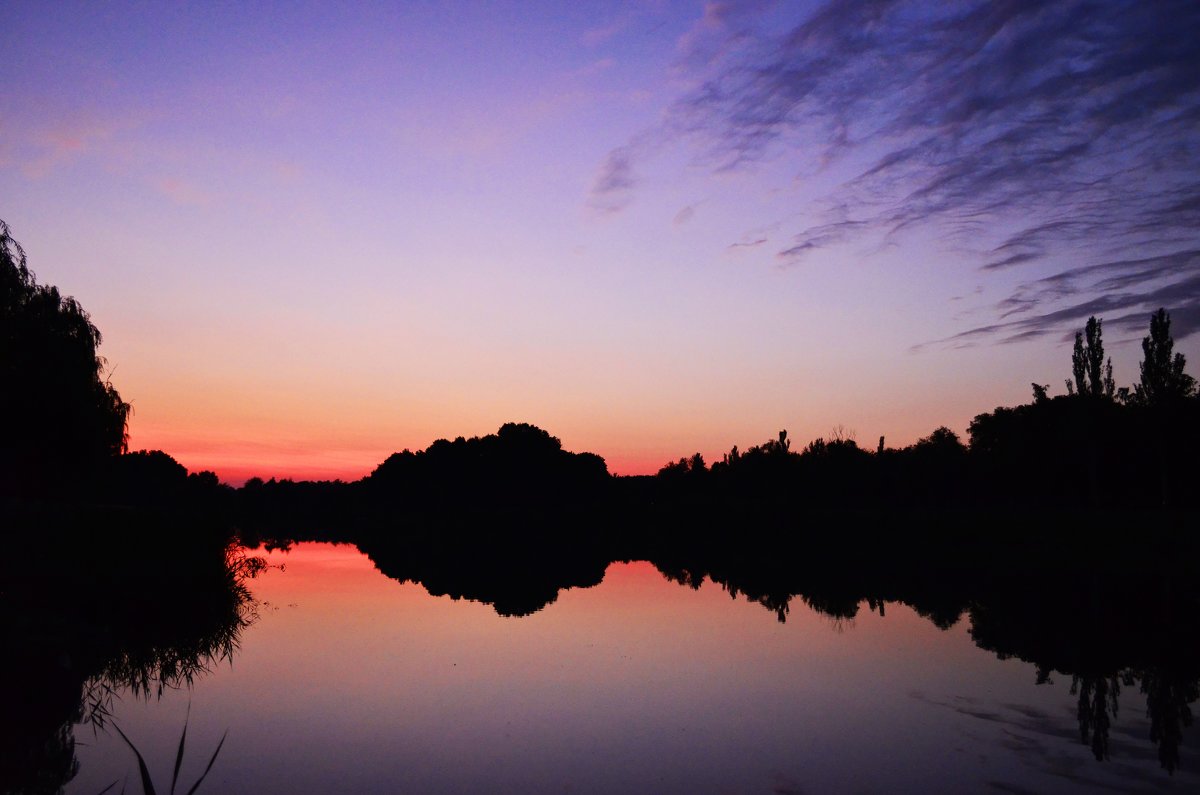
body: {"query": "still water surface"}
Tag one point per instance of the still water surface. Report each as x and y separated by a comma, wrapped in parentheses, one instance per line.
(352, 682)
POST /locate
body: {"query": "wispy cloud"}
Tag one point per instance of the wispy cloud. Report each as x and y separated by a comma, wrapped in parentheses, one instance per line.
(1074, 125)
(1124, 292)
(747, 244)
(723, 26)
(613, 188)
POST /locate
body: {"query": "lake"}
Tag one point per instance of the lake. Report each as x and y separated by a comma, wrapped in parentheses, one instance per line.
(346, 680)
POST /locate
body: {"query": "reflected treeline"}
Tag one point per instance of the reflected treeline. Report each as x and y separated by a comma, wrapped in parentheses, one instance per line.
(1111, 605)
(1115, 631)
(96, 602)
(515, 580)
(1086, 607)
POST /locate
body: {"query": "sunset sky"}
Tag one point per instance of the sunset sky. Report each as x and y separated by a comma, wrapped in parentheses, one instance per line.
(314, 234)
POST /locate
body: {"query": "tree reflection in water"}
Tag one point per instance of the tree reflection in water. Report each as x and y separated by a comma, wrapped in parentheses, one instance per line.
(103, 616)
(1108, 622)
(107, 618)
(184, 649)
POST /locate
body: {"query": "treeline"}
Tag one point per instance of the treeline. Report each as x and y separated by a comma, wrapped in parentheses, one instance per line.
(1096, 448)
(519, 475)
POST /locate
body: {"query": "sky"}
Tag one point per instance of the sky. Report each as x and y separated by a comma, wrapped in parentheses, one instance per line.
(315, 234)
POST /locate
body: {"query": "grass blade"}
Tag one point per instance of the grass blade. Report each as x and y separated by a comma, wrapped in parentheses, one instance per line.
(179, 753)
(147, 784)
(196, 786)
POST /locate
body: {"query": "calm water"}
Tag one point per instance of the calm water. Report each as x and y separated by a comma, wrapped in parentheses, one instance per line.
(352, 682)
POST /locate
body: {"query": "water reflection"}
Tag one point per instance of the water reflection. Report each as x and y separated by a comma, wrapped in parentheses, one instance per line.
(1103, 625)
(92, 613)
(1105, 638)
(516, 579)
(104, 620)
(1103, 632)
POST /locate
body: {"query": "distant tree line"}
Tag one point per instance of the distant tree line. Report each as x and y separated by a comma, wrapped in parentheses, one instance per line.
(1098, 447)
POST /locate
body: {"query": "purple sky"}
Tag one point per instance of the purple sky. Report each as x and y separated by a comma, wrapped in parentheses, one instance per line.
(315, 235)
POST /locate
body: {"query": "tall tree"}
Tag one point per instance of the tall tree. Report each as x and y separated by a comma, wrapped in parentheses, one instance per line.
(59, 415)
(1092, 374)
(1163, 379)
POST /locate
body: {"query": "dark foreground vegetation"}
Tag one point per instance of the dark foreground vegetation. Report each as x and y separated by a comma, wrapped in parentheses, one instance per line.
(98, 601)
(1063, 528)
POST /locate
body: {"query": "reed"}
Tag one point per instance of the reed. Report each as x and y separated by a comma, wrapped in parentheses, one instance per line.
(144, 771)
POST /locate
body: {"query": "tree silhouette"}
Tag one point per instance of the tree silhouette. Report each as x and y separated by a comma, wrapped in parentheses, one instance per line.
(61, 415)
(1092, 376)
(1162, 394)
(1163, 379)
(685, 467)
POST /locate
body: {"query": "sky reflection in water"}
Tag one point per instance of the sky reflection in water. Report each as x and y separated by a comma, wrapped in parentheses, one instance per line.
(353, 682)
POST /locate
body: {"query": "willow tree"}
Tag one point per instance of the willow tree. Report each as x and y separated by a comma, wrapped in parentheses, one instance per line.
(61, 416)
